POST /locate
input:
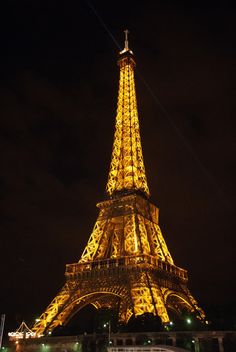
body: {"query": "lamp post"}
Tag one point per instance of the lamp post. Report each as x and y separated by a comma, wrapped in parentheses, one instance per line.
(109, 331)
(2, 328)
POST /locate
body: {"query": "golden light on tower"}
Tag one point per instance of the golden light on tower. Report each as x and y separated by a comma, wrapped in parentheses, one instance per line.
(126, 264)
(127, 171)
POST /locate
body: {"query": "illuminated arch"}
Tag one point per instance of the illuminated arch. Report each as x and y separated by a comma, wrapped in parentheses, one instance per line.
(174, 300)
(98, 299)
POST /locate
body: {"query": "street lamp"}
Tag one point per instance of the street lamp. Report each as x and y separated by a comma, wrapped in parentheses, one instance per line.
(109, 331)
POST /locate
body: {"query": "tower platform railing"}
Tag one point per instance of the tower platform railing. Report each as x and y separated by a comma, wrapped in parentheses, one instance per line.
(140, 261)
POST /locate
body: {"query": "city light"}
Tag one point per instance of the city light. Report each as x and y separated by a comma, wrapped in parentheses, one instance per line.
(23, 332)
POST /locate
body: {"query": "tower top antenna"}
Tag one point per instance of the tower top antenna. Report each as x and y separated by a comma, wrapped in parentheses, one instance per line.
(126, 39)
(126, 48)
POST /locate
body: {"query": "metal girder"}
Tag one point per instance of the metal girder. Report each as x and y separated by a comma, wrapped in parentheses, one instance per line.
(125, 233)
(127, 171)
(147, 298)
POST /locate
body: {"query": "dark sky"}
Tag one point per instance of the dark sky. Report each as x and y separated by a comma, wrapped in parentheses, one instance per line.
(58, 92)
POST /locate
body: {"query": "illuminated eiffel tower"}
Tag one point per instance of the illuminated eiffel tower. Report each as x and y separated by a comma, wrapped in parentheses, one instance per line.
(126, 264)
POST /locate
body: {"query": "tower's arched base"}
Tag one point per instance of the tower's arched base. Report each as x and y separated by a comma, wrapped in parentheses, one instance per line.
(119, 284)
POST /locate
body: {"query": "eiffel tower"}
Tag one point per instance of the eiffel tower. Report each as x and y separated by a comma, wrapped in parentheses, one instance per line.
(126, 264)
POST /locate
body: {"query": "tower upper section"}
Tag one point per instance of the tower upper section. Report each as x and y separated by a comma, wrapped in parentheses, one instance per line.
(127, 172)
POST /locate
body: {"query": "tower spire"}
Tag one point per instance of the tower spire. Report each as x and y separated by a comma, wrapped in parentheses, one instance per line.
(126, 39)
(127, 171)
(126, 48)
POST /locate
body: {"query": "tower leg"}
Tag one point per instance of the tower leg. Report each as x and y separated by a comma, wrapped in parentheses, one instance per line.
(148, 298)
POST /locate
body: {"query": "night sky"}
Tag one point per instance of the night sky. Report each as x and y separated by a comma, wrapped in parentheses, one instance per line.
(58, 95)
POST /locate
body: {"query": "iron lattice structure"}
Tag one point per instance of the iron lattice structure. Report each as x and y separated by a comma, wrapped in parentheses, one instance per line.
(126, 263)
